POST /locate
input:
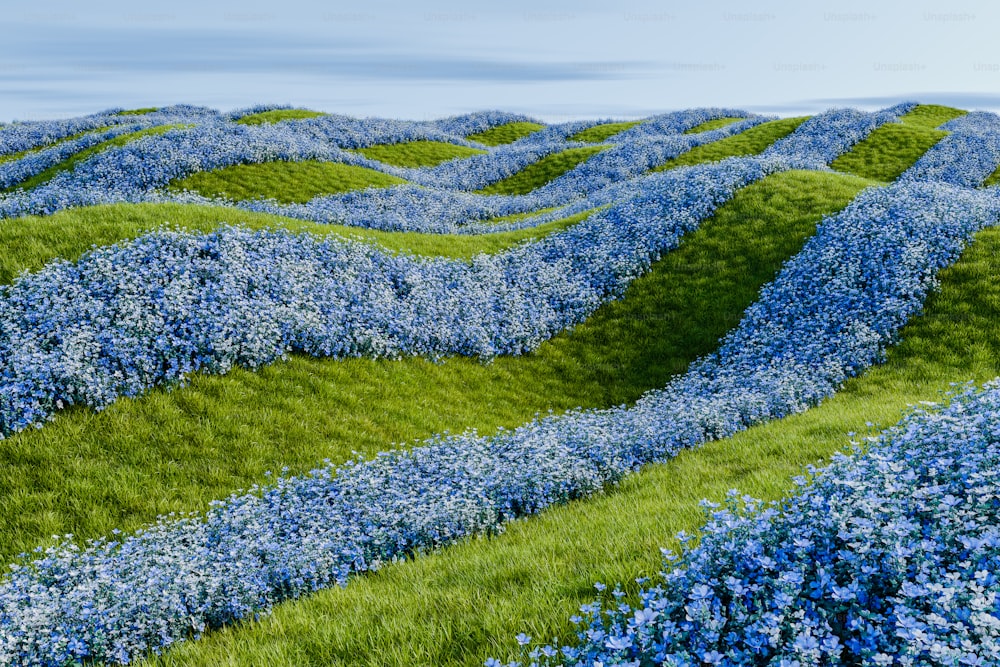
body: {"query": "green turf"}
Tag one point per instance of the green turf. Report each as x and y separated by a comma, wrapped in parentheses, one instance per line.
(36, 240)
(279, 115)
(86, 473)
(712, 125)
(462, 605)
(71, 162)
(138, 112)
(505, 134)
(599, 133)
(286, 182)
(541, 172)
(931, 116)
(750, 142)
(418, 153)
(892, 148)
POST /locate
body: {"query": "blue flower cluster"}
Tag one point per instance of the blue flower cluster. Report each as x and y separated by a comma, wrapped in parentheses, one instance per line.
(125, 318)
(888, 556)
(831, 311)
(965, 157)
(22, 136)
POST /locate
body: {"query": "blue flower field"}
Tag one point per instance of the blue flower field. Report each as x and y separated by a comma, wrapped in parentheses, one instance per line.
(255, 363)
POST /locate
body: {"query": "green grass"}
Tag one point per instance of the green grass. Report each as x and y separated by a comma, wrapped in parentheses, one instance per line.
(599, 133)
(712, 125)
(505, 134)
(931, 116)
(459, 606)
(751, 142)
(286, 182)
(71, 162)
(541, 172)
(892, 148)
(279, 115)
(36, 240)
(87, 473)
(418, 153)
(138, 112)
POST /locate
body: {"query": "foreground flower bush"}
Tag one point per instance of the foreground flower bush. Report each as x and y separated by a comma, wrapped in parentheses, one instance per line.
(888, 556)
(831, 312)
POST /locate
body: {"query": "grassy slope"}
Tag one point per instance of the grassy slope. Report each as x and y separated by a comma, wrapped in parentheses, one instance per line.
(750, 142)
(418, 153)
(137, 112)
(287, 182)
(599, 133)
(37, 240)
(71, 162)
(892, 148)
(541, 172)
(459, 606)
(505, 134)
(714, 124)
(87, 473)
(278, 115)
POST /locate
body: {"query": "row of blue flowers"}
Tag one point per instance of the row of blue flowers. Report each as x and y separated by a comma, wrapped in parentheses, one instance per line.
(965, 157)
(887, 556)
(603, 179)
(831, 312)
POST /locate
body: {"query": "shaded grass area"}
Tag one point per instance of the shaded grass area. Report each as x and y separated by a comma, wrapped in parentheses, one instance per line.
(507, 133)
(600, 133)
(137, 112)
(751, 142)
(36, 240)
(286, 182)
(71, 162)
(541, 172)
(418, 153)
(892, 148)
(87, 473)
(459, 606)
(714, 124)
(278, 115)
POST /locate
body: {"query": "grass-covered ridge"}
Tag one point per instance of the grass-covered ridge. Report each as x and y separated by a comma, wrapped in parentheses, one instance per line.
(278, 115)
(138, 112)
(541, 172)
(87, 473)
(893, 148)
(418, 153)
(507, 133)
(458, 606)
(286, 182)
(602, 132)
(750, 142)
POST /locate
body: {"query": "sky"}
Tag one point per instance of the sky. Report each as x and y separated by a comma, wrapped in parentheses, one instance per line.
(554, 60)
